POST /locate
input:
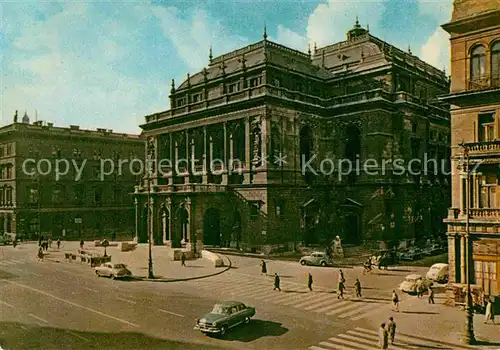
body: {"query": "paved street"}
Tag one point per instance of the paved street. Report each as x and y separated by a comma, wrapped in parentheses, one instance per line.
(50, 305)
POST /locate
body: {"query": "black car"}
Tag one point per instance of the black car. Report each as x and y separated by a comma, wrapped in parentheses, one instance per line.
(224, 316)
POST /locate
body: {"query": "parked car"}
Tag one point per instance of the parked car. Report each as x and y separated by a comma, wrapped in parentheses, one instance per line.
(385, 258)
(316, 259)
(224, 316)
(434, 249)
(412, 254)
(113, 271)
(5, 240)
(438, 273)
(412, 282)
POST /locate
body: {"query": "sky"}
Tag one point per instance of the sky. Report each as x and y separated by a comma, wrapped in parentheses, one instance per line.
(103, 64)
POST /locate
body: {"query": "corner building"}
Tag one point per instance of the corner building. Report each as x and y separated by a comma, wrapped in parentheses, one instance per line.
(33, 201)
(475, 124)
(279, 111)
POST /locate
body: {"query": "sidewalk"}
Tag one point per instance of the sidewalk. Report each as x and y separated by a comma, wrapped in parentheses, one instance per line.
(165, 270)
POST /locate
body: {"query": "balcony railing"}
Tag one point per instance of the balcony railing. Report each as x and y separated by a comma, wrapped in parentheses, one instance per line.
(479, 83)
(484, 148)
(485, 213)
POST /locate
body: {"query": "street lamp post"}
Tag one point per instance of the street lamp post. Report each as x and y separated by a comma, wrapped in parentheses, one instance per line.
(150, 230)
(468, 336)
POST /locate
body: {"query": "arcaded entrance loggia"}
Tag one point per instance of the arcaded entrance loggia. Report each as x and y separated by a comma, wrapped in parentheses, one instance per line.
(211, 227)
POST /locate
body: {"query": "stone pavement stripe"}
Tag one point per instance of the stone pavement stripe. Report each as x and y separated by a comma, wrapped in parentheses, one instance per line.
(358, 310)
(315, 306)
(7, 304)
(319, 297)
(419, 340)
(264, 294)
(372, 312)
(78, 336)
(285, 297)
(316, 348)
(234, 286)
(343, 308)
(337, 303)
(333, 346)
(350, 343)
(374, 341)
(300, 295)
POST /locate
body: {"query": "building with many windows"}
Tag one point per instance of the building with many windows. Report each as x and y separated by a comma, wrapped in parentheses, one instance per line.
(78, 203)
(475, 127)
(263, 129)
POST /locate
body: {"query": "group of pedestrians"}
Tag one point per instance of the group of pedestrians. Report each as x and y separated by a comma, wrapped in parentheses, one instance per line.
(387, 333)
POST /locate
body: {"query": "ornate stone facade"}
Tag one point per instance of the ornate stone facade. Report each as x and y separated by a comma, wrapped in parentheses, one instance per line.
(71, 206)
(475, 99)
(262, 137)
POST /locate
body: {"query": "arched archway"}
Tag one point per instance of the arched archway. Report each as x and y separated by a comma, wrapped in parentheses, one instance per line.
(211, 227)
(305, 149)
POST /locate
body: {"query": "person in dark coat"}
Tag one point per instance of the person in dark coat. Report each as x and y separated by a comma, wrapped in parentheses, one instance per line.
(391, 328)
(263, 270)
(340, 290)
(277, 282)
(357, 288)
(341, 276)
(383, 337)
(81, 244)
(183, 259)
(58, 243)
(310, 281)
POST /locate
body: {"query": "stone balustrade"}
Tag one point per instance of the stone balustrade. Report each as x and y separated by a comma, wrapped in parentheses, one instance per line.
(482, 148)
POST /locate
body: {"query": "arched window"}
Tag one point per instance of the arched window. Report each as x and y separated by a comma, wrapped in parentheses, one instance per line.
(495, 64)
(477, 64)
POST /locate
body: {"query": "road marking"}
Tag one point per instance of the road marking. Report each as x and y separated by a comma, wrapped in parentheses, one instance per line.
(90, 289)
(314, 300)
(78, 336)
(315, 306)
(316, 348)
(371, 312)
(359, 309)
(38, 318)
(350, 343)
(170, 312)
(128, 301)
(4, 303)
(343, 308)
(71, 303)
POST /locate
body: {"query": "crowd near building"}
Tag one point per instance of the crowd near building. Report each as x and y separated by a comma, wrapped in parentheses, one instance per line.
(76, 201)
(288, 117)
(475, 113)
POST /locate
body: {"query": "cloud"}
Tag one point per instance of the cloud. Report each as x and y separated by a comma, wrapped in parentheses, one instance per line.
(436, 50)
(192, 35)
(79, 63)
(328, 23)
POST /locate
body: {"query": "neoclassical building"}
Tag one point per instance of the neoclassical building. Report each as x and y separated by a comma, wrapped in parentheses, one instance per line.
(77, 204)
(475, 122)
(264, 128)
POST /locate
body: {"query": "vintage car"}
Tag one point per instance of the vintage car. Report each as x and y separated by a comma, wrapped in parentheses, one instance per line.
(438, 273)
(412, 282)
(224, 316)
(113, 270)
(316, 259)
(411, 254)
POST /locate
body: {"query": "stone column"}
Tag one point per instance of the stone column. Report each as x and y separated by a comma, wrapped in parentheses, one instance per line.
(136, 204)
(246, 178)
(462, 193)
(205, 158)
(186, 176)
(210, 153)
(476, 190)
(452, 256)
(187, 204)
(176, 159)
(225, 167)
(231, 151)
(462, 259)
(168, 208)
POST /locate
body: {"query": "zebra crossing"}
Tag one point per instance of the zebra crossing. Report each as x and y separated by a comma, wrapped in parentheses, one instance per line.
(293, 295)
(14, 262)
(367, 339)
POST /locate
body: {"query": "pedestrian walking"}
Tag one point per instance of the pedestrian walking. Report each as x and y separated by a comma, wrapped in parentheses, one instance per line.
(340, 290)
(341, 276)
(81, 244)
(431, 295)
(357, 288)
(277, 282)
(310, 281)
(391, 328)
(490, 313)
(263, 270)
(58, 243)
(383, 337)
(40, 253)
(395, 301)
(183, 260)
(420, 290)
(50, 242)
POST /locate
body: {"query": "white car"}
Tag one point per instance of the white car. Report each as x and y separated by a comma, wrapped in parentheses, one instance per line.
(438, 273)
(315, 259)
(412, 282)
(113, 271)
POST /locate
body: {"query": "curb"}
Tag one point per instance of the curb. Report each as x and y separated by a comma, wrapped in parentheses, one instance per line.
(166, 280)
